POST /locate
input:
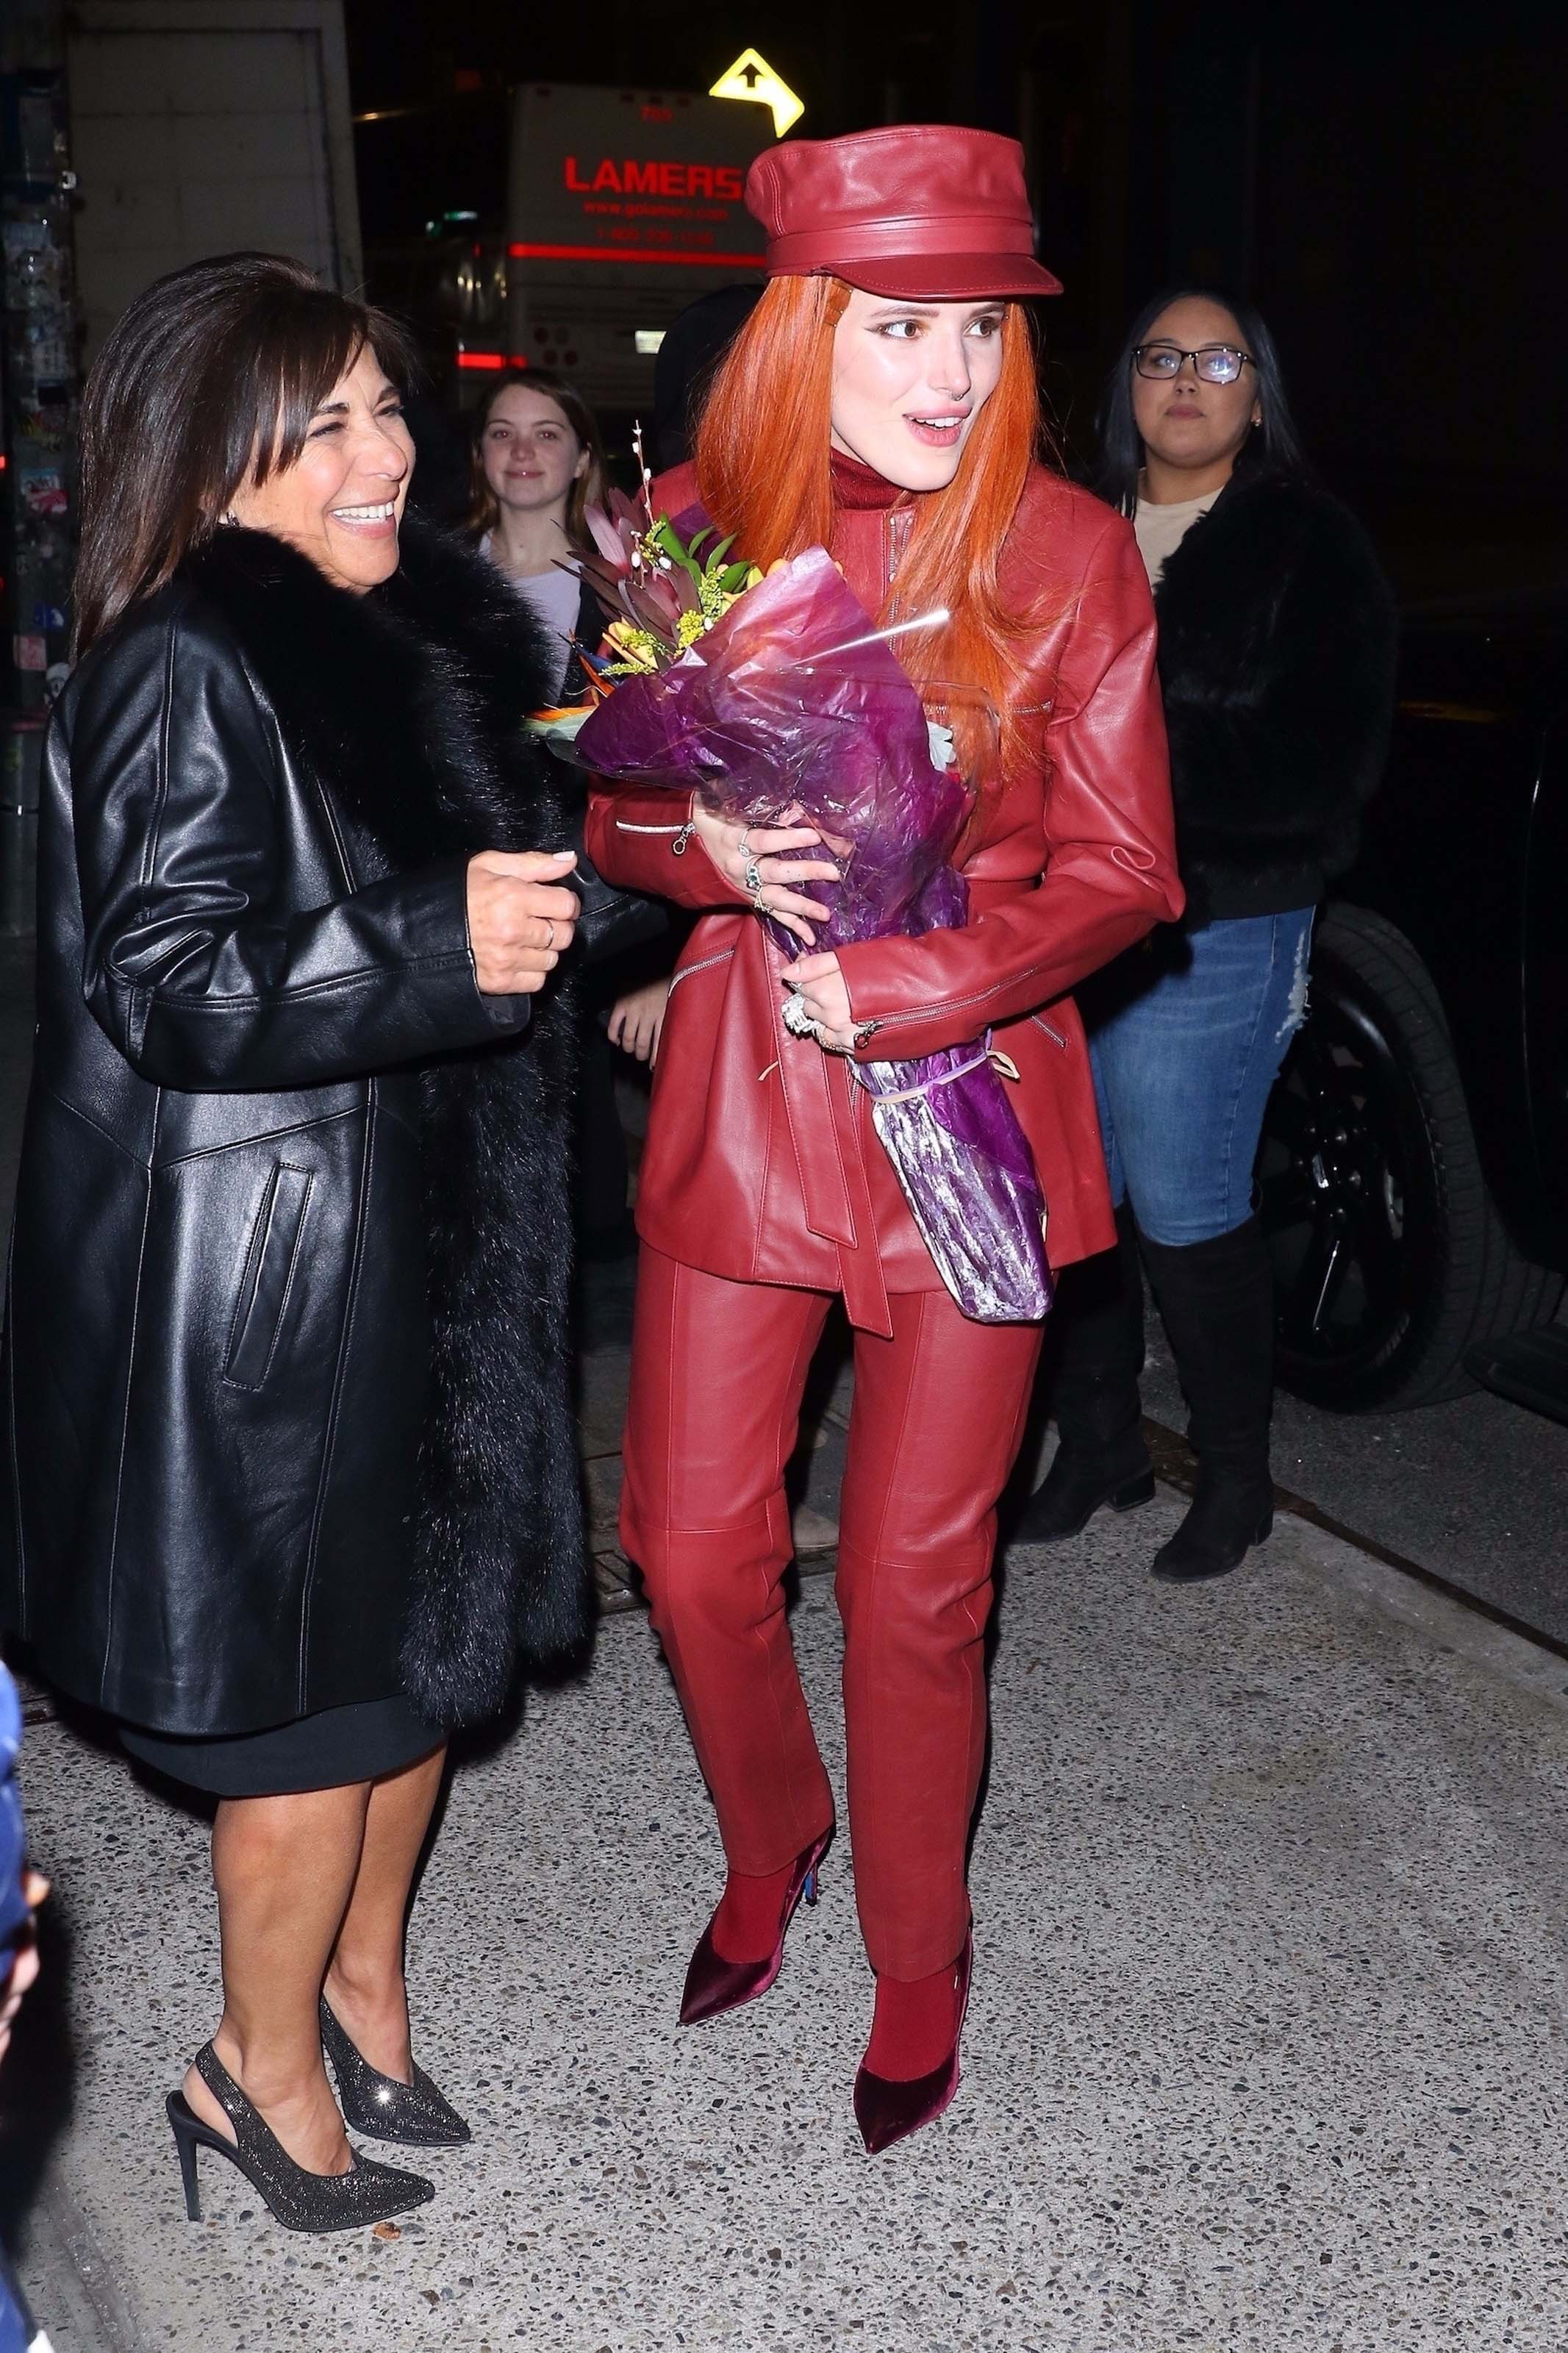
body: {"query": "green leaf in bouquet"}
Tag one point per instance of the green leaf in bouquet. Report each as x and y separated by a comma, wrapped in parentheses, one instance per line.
(670, 544)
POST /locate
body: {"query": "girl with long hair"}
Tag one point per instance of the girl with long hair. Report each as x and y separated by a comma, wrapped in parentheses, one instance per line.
(881, 401)
(1277, 641)
(537, 467)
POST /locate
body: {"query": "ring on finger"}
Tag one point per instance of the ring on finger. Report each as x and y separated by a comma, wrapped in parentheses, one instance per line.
(753, 878)
(758, 902)
(744, 844)
(549, 928)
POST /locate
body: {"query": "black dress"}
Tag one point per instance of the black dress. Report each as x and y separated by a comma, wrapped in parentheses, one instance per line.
(363, 1742)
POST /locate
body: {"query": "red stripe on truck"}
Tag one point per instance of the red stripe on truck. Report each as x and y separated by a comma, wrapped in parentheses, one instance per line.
(634, 253)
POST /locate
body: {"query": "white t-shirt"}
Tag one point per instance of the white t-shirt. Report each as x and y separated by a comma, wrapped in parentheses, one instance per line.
(1161, 530)
(556, 596)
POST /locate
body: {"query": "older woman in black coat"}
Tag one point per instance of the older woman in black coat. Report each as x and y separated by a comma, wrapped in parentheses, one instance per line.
(288, 1434)
(1277, 642)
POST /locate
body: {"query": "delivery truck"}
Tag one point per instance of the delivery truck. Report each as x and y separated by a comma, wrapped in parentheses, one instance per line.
(618, 207)
(621, 206)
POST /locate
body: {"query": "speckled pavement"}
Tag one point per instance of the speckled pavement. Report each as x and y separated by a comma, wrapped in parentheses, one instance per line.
(1265, 2050)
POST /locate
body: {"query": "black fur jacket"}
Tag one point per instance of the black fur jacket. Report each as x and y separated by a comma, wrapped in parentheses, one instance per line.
(287, 1368)
(1276, 652)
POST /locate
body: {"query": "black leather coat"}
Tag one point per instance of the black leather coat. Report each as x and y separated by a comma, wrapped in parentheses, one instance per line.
(285, 1364)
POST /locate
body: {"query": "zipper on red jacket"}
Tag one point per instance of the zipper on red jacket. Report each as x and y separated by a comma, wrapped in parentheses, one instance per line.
(900, 524)
(682, 833)
(942, 1005)
(865, 1030)
(703, 963)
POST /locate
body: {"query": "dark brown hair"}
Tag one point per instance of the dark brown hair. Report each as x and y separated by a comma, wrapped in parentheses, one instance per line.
(1276, 445)
(589, 490)
(208, 380)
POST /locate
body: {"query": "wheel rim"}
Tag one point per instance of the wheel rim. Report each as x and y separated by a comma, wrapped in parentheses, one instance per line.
(1346, 1200)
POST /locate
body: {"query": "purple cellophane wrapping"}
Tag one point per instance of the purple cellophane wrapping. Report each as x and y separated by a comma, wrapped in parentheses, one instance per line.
(778, 708)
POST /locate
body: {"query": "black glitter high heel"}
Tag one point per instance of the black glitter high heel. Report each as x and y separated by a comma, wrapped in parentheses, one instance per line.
(381, 2107)
(301, 2201)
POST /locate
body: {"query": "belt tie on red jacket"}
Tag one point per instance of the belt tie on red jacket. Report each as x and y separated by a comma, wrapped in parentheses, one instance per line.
(823, 1136)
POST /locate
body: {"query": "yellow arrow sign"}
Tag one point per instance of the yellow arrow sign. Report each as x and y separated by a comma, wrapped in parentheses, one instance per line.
(751, 76)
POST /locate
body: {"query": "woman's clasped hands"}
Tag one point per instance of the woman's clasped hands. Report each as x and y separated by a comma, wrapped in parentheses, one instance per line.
(520, 919)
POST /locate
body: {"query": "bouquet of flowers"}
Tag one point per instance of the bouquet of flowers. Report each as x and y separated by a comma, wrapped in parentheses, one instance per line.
(778, 693)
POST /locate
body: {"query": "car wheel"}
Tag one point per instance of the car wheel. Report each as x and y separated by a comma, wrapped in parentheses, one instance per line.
(1389, 1255)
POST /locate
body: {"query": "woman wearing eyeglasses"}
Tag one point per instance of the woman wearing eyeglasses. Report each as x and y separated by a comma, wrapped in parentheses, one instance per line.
(1276, 638)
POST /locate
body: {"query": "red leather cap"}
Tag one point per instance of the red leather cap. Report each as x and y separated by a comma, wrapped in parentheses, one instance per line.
(921, 209)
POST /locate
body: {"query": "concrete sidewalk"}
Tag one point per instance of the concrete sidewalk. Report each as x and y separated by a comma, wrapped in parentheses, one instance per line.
(1265, 2050)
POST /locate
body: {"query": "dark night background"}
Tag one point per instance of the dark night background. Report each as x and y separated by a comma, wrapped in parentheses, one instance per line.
(1387, 182)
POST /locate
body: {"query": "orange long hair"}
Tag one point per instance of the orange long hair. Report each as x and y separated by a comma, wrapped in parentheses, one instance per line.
(763, 473)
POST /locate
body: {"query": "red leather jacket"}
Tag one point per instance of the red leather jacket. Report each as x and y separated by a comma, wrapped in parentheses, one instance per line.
(762, 1163)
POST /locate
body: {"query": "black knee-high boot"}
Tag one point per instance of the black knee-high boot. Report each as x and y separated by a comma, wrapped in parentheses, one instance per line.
(1098, 1320)
(1217, 1301)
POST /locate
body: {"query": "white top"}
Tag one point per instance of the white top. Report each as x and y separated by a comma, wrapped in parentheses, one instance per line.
(556, 596)
(1161, 530)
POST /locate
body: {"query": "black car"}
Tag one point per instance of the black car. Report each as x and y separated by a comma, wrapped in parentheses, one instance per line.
(1413, 1169)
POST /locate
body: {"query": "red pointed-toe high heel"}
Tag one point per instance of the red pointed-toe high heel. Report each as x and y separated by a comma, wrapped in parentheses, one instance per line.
(713, 1983)
(888, 2111)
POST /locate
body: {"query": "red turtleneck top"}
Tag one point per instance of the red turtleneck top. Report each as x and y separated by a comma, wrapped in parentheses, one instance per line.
(859, 488)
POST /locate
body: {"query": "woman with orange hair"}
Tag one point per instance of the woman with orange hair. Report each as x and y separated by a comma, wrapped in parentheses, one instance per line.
(880, 401)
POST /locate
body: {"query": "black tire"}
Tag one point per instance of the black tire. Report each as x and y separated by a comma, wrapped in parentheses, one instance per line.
(1390, 1258)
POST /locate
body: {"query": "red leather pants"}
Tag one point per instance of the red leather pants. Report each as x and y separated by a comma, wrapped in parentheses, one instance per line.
(718, 1369)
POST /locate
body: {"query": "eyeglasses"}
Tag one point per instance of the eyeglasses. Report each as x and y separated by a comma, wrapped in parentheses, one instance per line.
(1212, 363)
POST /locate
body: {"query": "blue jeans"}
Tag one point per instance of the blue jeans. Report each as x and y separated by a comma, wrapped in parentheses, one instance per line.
(1187, 1034)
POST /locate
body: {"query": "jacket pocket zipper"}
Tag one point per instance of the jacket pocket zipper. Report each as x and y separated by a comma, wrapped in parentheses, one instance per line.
(703, 963)
(682, 833)
(944, 1004)
(865, 1030)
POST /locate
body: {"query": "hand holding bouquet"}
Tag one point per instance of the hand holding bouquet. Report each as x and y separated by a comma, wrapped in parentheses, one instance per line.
(778, 702)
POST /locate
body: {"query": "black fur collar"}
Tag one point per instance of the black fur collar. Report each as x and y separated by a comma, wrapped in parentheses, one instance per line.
(1256, 523)
(408, 700)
